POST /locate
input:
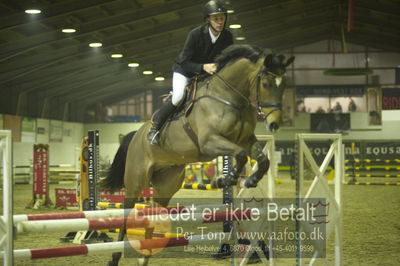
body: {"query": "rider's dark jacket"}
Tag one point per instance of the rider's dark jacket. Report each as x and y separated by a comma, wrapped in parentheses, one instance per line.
(199, 50)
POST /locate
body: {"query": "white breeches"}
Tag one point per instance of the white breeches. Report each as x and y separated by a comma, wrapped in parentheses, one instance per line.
(179, 83)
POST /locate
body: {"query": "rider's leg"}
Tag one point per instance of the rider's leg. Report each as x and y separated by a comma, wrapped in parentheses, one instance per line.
(179, 83)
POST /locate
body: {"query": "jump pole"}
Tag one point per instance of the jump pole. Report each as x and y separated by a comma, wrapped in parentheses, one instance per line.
(198, 186)
(141, 232)
(373, 183)
(119, 246)
(147, 221)
(6, 221)
(113, 213)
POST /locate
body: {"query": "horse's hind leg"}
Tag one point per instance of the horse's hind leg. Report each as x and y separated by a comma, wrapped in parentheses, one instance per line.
(129, 203)
(166, 182)
(135, 181)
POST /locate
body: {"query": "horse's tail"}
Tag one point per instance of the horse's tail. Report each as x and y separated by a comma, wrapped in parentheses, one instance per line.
(115, 174)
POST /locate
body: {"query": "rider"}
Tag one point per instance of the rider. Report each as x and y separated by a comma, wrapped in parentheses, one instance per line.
(202, 45)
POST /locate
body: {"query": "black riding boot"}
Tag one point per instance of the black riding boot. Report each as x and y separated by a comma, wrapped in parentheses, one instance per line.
(158, 121)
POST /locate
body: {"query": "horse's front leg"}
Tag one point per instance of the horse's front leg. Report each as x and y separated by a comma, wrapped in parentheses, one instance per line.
(220, 146)
(263, 165)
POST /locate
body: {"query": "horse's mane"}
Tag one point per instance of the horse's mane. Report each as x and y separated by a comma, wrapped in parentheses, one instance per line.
(236, 51)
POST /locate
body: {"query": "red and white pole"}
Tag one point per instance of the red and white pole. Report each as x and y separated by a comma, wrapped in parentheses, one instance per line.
(88, 224)
(156, 243)
(113, 213)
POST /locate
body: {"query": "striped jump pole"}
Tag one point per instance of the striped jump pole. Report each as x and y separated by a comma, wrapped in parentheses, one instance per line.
(198, 186)
(105, 205)
(373, 183)
(115, 213)
(44, 253)
(374, 175)
(152, 221)
(69, 215)
(141, 232)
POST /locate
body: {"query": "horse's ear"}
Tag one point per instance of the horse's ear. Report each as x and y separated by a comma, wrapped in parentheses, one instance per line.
(268, 60)
(289, 61)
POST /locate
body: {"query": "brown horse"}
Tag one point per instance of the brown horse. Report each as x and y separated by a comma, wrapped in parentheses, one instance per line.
(222, 122)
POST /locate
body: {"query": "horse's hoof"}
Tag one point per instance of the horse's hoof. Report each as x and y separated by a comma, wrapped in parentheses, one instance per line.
(112, 263)
(218, 182)
(142, 261)
(250, 183)
(231, 182)
(223, 182)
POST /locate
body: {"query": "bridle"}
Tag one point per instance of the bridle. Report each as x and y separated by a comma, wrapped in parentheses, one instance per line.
(277, 106)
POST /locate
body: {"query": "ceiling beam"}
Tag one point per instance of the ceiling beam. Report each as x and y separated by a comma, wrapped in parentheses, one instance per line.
(76, 69)
(105, 92)
(285, 39)
(10, 7)
(17, 47)
(60, 76)
(92, 82)
(388, 7)
(120, 19)
(371, 39)
(91, 79)
(61, 8)
(57, 55)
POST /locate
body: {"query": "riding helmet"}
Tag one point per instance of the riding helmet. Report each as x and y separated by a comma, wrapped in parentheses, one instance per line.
(214, 7)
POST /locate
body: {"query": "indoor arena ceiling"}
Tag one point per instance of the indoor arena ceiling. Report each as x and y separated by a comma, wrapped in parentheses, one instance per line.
(50, 74)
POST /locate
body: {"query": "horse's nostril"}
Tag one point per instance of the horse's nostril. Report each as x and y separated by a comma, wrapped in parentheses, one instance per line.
(273, 127)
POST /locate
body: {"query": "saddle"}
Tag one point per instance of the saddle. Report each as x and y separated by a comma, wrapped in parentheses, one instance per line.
(185, 107)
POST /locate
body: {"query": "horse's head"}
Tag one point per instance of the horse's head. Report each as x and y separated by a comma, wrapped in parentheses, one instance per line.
(270, 88)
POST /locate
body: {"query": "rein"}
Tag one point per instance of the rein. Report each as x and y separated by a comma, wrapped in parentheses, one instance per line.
(233, 88)
(221, 100)
(277, 106)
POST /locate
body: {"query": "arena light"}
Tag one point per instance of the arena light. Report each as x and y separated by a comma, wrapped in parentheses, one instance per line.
(68, 30)
(117, 55)
(159, 78)
(147, 72)
(133, 65)
(230, 11)
(95, 44)
(348, 71)
(33, 11)
(240, 38)
(235, 26)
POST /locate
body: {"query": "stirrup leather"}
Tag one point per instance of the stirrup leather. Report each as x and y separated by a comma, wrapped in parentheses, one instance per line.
(155, 137)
